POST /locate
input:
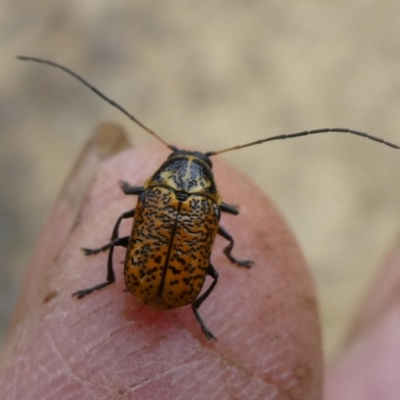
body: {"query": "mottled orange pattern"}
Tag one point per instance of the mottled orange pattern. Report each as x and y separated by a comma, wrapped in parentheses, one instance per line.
(170, 247)
(192, 243)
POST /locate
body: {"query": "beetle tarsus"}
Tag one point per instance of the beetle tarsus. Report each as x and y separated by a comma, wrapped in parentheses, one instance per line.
(241, 263)
(84, 292)
(198, 302)
(90, 252)
(207, 333)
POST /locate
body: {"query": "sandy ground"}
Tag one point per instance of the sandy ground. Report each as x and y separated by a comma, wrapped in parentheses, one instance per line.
(211, 75)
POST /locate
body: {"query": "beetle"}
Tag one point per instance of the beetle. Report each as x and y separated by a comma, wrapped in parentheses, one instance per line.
(175, 222)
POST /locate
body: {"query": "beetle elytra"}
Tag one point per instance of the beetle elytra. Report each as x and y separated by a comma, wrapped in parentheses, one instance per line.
(175, 222)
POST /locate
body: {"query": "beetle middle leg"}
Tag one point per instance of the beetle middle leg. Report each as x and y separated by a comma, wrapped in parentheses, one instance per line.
(114, 236)
(228, 249)
(197, 303)
(110, 269)
(115, 241)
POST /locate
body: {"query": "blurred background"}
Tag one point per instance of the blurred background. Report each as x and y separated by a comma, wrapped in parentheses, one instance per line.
(211, 75)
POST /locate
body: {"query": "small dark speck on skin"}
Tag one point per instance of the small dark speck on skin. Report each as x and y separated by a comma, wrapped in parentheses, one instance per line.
(50, 296)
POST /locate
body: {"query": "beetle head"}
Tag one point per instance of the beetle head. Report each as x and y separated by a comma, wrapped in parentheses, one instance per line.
(197, 154)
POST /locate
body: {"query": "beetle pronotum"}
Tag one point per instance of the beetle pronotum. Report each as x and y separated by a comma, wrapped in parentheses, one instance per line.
(176, 220)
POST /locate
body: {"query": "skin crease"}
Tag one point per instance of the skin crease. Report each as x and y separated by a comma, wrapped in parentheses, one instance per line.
(109, 346)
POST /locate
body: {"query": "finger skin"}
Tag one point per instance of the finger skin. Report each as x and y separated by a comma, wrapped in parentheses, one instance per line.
(368, 366)
(110, 346)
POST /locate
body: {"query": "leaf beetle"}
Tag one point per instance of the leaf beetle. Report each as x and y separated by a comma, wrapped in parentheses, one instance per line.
(175, 222)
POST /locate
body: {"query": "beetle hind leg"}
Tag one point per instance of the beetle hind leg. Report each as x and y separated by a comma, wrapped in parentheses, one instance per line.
(207, 333)
(198, 302)
(228, 250)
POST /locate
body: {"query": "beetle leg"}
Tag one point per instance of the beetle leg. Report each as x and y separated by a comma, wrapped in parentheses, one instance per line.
(110, 269)
(228, 208)
(228, 249)
(197, 303)
(115, 241)
(128, 189)
(114, 236)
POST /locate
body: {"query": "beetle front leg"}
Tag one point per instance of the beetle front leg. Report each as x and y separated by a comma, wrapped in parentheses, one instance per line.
(128, 189)
(229, 209)
(228, 249)
(197, 303)
(114, 236)
(110, 269)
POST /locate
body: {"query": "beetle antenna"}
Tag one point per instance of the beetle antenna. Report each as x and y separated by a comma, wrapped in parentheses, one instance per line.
(95, 90)
(305, 133)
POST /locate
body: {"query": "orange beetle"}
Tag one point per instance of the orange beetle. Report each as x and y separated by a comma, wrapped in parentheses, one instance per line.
(176, 220)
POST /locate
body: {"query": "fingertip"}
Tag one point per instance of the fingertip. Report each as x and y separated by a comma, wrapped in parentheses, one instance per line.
(265, 317)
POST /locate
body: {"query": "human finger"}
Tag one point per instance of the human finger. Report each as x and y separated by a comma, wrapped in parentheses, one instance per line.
(109, 345)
